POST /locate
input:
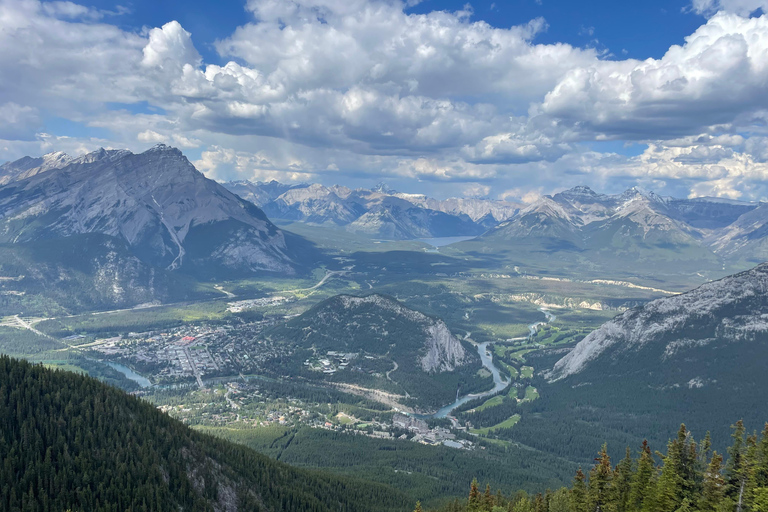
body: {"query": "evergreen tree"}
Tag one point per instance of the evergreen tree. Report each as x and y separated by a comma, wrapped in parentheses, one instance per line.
(622, 482)
(560, 501)
(487, 498)
(713, 488)
(475, 502)
(418, 507)
(668, 492)
(579, 492)
(599, 488)
(642, 481)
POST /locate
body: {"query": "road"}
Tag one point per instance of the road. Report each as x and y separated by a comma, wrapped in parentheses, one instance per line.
(26, 325)
(198, 377)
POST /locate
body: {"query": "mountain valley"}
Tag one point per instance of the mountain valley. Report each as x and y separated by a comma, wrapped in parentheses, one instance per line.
(293, 318)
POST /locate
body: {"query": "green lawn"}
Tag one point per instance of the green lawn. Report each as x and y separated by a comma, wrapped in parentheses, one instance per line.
(491, 402)
(526, 372)
(508, 423)
(531, 394)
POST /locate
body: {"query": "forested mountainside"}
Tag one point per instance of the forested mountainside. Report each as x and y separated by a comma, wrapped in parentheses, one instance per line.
(69, 442)
(697, 357)
(386, 345)
(689, 477)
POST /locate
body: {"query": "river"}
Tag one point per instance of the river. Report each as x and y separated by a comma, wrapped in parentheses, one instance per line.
(499, 383)
(535, 326)
(132, 375)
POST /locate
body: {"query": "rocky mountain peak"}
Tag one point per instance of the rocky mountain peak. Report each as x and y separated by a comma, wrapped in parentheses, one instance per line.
(156, 201)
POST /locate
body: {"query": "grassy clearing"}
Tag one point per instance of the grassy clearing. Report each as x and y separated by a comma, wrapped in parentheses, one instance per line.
(531, 394)
(497, 400)
(508, 423)
(526, 372)
(512, 370)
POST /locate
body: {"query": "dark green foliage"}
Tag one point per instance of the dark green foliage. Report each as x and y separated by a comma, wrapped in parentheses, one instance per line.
(427, 473)
(688, 480)
(70, 442)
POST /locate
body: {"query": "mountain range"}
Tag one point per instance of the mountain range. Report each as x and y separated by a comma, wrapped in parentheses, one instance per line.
(584, 231)
(379, 212)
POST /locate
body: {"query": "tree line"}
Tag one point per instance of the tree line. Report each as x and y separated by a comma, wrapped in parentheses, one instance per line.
(689, 477)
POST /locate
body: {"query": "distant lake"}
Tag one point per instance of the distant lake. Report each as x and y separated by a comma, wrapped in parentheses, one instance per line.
(444, 240)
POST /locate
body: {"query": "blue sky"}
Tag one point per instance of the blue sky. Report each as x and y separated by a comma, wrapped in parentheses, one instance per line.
(501, 99)
(639, 30)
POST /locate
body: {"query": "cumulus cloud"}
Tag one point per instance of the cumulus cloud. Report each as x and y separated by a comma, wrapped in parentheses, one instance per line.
(317, 89)
(716, 77)
(228, 164)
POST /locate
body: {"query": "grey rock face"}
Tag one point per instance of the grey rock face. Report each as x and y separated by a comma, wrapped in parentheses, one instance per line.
(155, 201)
(731, 310)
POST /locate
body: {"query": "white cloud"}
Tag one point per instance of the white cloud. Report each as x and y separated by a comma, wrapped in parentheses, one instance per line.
(740, 7)
(151, 136)
(361, 89)
(717, 77)
(18, 122)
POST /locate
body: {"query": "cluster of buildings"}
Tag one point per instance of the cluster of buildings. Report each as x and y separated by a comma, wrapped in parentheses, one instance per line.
(425, 435)
(193, 351)
(331, 363)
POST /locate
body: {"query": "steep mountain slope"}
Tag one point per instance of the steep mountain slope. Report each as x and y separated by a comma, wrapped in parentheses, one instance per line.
(380, 213)
(168, 213)
(427, 361)
(697, 358)
(83, 272)
(259, 193)
(71, 442)
(745, 239)
(684, 333)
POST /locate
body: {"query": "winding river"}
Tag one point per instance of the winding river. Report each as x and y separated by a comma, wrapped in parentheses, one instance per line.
(486, 357)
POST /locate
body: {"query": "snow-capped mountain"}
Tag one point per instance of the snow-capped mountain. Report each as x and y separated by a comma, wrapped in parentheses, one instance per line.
(379, 212)
(28, 166)
(156, 202)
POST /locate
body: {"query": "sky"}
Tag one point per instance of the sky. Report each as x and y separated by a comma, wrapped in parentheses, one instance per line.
(506, 99)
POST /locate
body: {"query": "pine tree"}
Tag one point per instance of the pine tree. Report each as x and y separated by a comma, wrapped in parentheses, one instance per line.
(622, 482)
(669, 488)
(418, 507)
(736, 471)
(474, 503)
(600, 482)
(642, 480)
(713, 488)
(487, 498)
(579, 492)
